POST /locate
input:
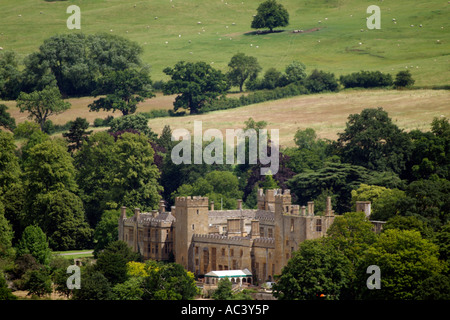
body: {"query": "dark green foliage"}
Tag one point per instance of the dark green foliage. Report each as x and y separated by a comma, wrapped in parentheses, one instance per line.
(112, 261)
(77, 133)
(10, 77)
(270, 14)
(6, 121)
(169, 282)
(124, 90)
(366, 79)
(372, 140)
(94, 286)
(242, 67)
(317, 271)
(223, 291)
(136, 122)
(319, 81)
(196, 83)
(42, 104)
(75, 61)
(34, 242)
(39, 283)
(403, 79)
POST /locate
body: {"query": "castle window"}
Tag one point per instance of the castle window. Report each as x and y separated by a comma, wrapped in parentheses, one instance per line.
(232, 252)
(319, 225)
(197, 211)
(270, 231)
(261, 231)
(192, 226)
(292, 225)
(223, 252)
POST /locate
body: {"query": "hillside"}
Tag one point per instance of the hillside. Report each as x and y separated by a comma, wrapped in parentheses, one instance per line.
(212, 31)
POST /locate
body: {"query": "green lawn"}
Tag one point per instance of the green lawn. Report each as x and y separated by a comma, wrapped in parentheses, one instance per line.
(74, 254)
(225, 30)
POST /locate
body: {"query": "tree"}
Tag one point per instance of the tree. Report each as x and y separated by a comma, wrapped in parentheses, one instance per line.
(223, 291)
(372, 140)
(405, 260)
(295, 72)
(403, 79)
(169, 282)
(42, 104)
(319, 81)
(10, 77)
(106, 230)
(39, 283)
(74, 62)
(77, 133)
(137, 122)
(6, 237)
(6, 121)
(124, 90)
(34, 242)
(242, 67)
(196, 83)
(112, 261)
(316, 271)
(94, 286)
(383, 200)
(270, 14)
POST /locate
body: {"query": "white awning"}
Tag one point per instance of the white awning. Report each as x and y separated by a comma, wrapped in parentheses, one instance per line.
(229, 274)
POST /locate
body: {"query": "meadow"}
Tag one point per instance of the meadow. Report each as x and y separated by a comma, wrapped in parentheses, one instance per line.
(214, 30)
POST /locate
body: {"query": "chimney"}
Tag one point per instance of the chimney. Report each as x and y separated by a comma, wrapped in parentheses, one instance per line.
(303, 211)
(162, 207)
(212, 205)
(123, 212)
(310, 208)
(255, 229)
(329, 210)
(239, 204)
(137, 212)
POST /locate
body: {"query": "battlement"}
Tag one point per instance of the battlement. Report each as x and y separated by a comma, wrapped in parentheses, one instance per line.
(194, 201)
(264, 242)
(219, 239)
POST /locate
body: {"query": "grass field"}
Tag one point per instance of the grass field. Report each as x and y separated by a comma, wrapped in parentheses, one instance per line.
(327, 113)
(225, 30)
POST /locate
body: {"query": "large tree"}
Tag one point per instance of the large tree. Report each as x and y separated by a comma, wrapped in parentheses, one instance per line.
(196, 83)
(316, 271)
(270, 14)
(124, 90)
(372, 140)
(42, 104)
(242, 67)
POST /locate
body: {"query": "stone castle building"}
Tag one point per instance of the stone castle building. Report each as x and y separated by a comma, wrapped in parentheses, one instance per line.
(203, 239)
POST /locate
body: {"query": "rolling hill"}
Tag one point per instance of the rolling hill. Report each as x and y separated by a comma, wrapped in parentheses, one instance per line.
(214, 30)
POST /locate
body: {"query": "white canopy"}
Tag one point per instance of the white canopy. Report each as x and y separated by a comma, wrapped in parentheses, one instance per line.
(229, 274)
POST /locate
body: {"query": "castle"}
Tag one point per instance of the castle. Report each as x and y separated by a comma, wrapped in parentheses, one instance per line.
(203, 239)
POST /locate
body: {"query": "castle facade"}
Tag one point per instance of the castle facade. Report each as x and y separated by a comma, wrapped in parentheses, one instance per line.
(203, 239)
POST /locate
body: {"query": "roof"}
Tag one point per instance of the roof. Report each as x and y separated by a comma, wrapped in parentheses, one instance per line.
(229, 273)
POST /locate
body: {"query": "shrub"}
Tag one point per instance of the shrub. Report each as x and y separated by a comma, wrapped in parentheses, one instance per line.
(403, 79)
(366, 79)
(319, 81)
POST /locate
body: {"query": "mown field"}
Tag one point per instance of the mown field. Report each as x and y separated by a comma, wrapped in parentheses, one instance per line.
(214, 30)
(327, 113)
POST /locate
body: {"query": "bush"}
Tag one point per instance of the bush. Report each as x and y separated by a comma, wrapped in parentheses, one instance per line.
(103, 122)
(403, 79)
(319, 81)
(366, 79)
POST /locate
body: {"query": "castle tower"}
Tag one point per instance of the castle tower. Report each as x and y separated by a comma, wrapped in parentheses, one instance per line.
(123, 216)
(282, 205)
(192, 218)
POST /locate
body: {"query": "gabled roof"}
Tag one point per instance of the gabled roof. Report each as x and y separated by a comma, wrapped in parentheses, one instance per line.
(229, 273)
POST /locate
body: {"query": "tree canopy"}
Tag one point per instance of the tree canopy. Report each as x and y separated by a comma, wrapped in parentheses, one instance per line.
(270, 14)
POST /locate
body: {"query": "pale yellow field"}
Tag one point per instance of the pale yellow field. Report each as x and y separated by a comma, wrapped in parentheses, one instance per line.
(327, 113)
